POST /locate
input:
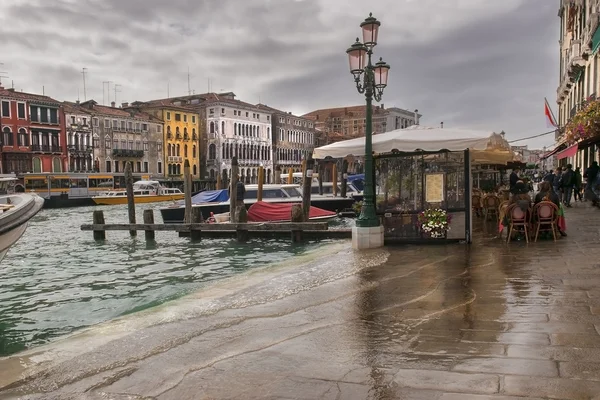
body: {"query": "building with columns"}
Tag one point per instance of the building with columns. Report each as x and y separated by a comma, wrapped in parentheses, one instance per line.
(293, 139)
(33, 133)
(79, 138)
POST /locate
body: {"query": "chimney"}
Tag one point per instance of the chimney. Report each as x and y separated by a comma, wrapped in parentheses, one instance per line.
(11, 89)
(416, 117)
(124, 105)
(77, 101)
(112, 104)
(345, 110)
(442, 124)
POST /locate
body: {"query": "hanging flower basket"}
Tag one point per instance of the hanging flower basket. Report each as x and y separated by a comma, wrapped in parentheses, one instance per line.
(585, 124)
(434, 223)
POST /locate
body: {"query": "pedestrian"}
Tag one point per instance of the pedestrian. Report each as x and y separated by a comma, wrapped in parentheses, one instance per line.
(578, 185)
(591, 175)
(556, 182)
(514, 178)
(549, 177)
(567, 183)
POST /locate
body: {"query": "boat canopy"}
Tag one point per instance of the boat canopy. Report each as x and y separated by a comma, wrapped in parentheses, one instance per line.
(211, 196)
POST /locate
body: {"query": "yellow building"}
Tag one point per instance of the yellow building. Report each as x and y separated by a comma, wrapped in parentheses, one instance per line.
(181, 136)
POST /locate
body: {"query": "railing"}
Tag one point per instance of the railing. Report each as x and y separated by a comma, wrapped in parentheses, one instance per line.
(87, 149)
(174, 159)
(128, 153)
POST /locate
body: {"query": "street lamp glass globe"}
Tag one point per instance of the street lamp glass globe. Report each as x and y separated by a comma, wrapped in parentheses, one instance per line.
(370, 29)
(381, 70)
(356, 56)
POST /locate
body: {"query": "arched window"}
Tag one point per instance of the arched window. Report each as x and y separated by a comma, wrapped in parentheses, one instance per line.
(56, 165)
(194, 137)
(223, 151)
(268, 133)
(7, 137)
(185, 151)
(37, 165)
(168, 131)
(212, 127)
(185, 131)
(23, 137)
(177, 131)
(178, 169)
(195, 170)
(212, 151)
(222, 127)
(194, 151)
(178, 150)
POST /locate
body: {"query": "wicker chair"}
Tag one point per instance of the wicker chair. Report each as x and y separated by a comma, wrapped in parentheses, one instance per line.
(546, 218)
(490, 206)
(518, 222)
(476, 203)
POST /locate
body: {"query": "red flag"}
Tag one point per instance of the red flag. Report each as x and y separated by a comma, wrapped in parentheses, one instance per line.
(550, 120)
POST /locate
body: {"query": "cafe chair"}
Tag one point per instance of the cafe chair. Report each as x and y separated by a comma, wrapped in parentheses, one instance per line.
(490, 206)
(518, 222)
(545, 216)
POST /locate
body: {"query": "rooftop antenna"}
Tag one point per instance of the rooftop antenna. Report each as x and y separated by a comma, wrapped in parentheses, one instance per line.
(107, 83)
(117, 90)
(189, 88)
(168, 90)
(78, 95)
(43, 90)
(1, 74)
(83, 71)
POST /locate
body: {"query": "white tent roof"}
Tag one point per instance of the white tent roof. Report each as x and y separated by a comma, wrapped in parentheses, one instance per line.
(411, 139)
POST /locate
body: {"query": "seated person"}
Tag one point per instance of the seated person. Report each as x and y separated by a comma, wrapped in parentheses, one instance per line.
(547, 194)
(521, 196)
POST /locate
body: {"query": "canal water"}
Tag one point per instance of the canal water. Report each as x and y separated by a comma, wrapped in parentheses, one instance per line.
(57, 279)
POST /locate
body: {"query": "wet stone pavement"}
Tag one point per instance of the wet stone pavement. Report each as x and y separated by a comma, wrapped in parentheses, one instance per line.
(493, 321)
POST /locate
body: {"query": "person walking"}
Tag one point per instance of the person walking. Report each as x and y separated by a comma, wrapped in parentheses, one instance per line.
(557, 181)
(567, 183)
(513, 179)
(578, 185)
(591, 175)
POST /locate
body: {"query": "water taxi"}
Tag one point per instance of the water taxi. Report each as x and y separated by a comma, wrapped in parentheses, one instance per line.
(143, 192)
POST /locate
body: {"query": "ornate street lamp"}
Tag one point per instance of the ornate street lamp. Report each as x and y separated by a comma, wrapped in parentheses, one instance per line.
(370, 80)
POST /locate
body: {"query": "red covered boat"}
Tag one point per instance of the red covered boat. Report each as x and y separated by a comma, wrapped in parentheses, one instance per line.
(282, 212)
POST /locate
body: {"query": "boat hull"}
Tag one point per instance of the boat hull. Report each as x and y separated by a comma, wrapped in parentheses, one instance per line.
(175, 215)
(112, 200)
(13, 223)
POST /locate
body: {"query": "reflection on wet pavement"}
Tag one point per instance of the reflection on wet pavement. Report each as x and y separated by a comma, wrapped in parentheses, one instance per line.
(493, 321)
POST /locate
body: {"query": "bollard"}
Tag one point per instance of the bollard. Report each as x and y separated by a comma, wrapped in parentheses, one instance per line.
(334, 179)
(307, 186)
(149, 220)
(187, 192)
(232, 191)
(98, 219)
(196, 235)
(261, 180)
(130, 196)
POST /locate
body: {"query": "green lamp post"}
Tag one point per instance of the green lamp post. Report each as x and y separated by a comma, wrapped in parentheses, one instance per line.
(370, 80)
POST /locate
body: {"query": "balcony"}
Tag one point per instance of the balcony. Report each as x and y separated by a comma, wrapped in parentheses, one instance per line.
(128, 153)
(44, 148)
(174, 159)
(575, 62)
(80, 149)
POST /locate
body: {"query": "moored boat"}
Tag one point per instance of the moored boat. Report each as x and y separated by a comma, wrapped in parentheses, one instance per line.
(262, 211)
(15, 212)
(143, 192)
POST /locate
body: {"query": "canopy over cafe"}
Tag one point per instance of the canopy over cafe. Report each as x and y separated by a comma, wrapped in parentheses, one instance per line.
(419, 170)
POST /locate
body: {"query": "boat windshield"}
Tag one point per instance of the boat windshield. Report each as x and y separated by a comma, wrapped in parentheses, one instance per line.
(292, 191)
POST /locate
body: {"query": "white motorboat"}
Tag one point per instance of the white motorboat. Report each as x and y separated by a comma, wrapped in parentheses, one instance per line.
(15, 212)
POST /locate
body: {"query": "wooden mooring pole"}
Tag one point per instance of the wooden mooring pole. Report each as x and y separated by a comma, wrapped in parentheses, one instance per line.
(307, 186)
(130, 196)
(261, 180)
(196, 235)
(334, 179)
(232, 190)
(149, 220)
(344, 187)
(98, 219)
(321, 170)
(187, 192)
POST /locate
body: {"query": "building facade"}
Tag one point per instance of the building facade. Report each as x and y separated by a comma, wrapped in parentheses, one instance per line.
(79, 138)
(33, 133)
(579, 77)
(293, 139)
(120, 136)
(344, 123)
(180, 136)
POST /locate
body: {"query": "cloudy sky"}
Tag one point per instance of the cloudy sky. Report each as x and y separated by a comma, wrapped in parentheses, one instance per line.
(469, 63)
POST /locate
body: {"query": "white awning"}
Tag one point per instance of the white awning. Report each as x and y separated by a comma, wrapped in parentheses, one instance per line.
(418, 138)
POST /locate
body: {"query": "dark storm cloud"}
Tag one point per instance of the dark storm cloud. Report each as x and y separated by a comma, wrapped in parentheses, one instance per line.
(472, 63)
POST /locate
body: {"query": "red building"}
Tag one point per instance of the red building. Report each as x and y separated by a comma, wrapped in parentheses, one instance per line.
(33, 134)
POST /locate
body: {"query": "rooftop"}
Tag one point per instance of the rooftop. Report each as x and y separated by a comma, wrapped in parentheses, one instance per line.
(13, 94)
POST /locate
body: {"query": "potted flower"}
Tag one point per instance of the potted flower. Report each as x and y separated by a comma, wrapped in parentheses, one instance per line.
(435, 222)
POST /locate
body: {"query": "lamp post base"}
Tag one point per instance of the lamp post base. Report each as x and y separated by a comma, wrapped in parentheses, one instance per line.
(367, 237)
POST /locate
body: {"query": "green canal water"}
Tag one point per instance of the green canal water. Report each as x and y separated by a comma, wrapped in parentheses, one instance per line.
(56, 279)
